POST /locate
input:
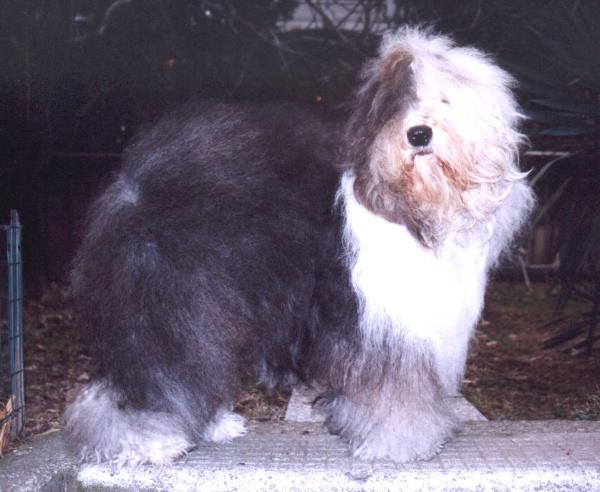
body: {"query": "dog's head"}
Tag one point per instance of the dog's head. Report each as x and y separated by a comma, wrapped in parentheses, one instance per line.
(433, 139)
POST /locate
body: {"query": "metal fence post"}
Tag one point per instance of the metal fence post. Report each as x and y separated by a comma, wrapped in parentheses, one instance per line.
(15, 321)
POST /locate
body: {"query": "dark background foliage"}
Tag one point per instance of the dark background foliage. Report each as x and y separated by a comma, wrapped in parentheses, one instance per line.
(77, 77)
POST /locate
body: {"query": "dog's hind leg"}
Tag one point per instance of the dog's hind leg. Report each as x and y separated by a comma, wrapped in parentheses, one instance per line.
(163, 338)
(106, 430)
(146, 408)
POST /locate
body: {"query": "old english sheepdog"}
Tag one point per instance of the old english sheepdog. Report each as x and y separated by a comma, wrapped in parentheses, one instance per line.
(239, 237)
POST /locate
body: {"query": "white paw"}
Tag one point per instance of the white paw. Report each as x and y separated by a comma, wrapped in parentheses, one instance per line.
(126, 437)
(156, 452)
(403, 442)
(374, 449)
(225, 427)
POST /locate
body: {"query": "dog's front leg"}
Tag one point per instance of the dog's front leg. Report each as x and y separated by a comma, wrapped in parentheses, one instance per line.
(392, 405)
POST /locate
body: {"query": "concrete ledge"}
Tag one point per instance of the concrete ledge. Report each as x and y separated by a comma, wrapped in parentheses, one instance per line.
(548, 456)
(300, 455)
(45, 463)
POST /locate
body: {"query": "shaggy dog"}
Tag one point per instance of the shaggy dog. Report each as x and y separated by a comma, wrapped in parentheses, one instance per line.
(240, 237)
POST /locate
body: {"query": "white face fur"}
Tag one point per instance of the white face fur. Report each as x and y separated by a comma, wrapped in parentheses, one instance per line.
(467, 169)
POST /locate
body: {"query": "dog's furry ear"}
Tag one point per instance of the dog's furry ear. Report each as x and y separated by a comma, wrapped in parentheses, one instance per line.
(387, 88)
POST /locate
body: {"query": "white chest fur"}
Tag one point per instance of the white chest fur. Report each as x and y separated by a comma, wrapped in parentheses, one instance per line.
(426, 300)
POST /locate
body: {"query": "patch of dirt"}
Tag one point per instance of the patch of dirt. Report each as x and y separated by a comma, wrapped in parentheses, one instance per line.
(56, 362)
(258, 404)
(509, 375)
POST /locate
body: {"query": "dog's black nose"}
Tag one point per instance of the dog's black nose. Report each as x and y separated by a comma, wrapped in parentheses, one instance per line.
(419, 136)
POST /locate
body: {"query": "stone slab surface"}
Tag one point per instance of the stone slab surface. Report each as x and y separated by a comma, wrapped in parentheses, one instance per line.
(465, 410)
(498, 456)
(300, 408)
(45, 463)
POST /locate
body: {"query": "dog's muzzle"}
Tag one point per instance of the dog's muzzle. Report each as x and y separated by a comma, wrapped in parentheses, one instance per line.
(419, 136)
